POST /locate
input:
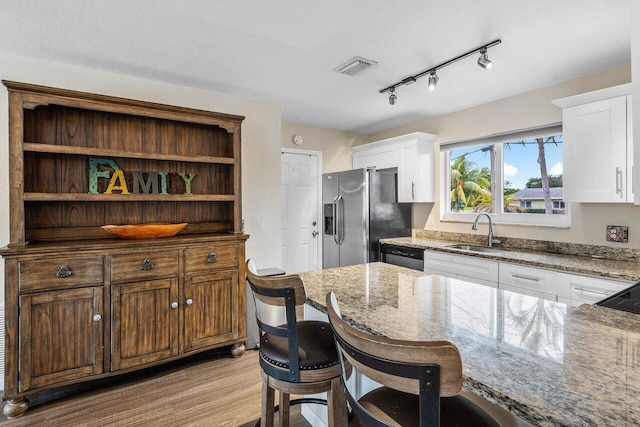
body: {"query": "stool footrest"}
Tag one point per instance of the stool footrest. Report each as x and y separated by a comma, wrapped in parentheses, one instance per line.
(299, 402)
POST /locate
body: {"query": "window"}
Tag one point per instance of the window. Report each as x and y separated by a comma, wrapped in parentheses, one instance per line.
(517, 177)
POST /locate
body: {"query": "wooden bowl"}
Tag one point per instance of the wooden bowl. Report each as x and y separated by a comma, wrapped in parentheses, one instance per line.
(150, 230)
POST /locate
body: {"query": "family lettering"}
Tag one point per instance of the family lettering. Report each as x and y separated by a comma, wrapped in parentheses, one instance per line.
(135, 182)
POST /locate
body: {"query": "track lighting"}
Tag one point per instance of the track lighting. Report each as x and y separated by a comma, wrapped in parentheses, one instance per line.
(392, 97)
(433, 81)
(483, 62)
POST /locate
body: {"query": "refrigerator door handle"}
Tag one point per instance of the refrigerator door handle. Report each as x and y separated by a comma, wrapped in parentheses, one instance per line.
(340, 223)
(335, 220)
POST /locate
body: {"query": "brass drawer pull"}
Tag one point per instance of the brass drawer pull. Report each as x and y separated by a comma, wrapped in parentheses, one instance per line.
(212, 258)
(63, 272)
(146, 265)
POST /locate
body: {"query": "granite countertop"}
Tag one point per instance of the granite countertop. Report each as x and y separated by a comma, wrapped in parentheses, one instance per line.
(549, 364)
(599, 265)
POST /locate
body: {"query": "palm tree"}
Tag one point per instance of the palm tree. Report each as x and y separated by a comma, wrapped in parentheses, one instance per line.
(469, 184)
(539, 325)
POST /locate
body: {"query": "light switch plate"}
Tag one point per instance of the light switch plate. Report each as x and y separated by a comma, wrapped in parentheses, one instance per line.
(618, 233)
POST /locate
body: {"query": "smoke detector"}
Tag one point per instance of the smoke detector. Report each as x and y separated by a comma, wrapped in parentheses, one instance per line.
(354, 66)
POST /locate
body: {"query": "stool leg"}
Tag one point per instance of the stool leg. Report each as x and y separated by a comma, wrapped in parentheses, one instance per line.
(266, 415)
(284, 409)
(337, 404)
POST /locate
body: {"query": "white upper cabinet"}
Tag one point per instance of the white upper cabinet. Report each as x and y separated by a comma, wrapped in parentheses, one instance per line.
(412, 154)
(598, 146)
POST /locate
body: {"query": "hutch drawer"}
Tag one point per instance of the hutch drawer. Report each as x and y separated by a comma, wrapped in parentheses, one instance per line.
(65, 272)
(131, 267)
(207, 257)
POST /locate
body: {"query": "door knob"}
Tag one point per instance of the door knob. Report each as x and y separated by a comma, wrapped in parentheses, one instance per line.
(314, 233)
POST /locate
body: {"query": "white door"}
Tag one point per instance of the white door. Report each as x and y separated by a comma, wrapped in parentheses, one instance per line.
(301, 218)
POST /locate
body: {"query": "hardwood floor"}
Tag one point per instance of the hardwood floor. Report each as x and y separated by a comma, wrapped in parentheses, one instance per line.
(203, 391)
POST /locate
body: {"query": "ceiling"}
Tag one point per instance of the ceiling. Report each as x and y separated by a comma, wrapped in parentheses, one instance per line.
(284, 51)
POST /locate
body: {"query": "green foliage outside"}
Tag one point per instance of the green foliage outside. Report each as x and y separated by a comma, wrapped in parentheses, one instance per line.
(554, 181)
(470, 185)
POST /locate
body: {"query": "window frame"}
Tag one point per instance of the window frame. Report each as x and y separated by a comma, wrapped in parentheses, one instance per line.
(497, 214)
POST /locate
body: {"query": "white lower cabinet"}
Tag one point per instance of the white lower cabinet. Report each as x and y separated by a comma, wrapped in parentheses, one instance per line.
(537, 282)
(576, 289)
(568, 288)
(470, 269)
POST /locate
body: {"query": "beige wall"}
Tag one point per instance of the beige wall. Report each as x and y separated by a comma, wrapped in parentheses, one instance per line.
(588, 221)
(260, 140)
(333, 144)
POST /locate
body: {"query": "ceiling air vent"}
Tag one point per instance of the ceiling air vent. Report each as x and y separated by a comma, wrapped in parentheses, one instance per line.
(354, 66)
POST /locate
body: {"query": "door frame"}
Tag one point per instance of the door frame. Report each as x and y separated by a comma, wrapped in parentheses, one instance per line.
(318, 156)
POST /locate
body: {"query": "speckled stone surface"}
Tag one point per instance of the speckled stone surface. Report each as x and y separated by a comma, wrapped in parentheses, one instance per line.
(594, 260)
(550, 364)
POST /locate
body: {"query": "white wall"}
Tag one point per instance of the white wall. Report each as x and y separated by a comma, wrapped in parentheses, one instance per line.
(260, 140)
(534, 108)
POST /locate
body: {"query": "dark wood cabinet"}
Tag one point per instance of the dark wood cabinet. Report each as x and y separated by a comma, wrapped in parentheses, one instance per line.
(82, 304)
(211, 310)
(144, 323)
(60, 336)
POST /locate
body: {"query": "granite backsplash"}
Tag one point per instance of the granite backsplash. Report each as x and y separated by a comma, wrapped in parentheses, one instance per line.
(577, 249)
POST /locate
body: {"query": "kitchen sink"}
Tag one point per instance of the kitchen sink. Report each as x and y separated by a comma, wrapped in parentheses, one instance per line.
(472, 248)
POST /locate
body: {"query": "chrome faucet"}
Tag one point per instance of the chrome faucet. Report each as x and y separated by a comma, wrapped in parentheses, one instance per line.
(475, 227)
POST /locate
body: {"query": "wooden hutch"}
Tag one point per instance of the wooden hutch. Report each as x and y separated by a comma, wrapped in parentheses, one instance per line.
(82, 304)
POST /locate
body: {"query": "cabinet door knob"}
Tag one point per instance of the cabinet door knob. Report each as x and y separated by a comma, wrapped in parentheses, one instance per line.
(97, 317)
(146, 265)
(189, 301)
(212, 258)
(63, 272)
(174, 305)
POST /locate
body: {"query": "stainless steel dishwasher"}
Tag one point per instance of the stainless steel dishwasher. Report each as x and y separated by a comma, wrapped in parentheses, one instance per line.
(403, 256)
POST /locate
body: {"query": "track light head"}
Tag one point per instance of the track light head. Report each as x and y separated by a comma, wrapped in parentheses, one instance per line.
(392, 97)
(433, 81)
(484, 60)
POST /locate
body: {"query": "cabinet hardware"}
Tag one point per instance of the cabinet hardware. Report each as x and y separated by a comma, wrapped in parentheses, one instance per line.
(146, 265)
(593, 291)
(212, 258)
(619, 182)
(97, 318)
(174, 304)
(518, 276)
(413, 190)
(189, 301)
(63, 272)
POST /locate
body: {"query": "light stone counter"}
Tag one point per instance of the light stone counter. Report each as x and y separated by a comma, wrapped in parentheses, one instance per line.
(627, 268)
(549, 364)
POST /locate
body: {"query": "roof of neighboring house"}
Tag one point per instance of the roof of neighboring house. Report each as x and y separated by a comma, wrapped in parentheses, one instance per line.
(536, 193)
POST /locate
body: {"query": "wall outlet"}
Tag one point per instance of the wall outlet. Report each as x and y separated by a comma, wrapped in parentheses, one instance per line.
(618, 233)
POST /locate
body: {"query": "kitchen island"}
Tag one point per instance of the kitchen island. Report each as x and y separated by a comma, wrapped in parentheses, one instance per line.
(547, 363)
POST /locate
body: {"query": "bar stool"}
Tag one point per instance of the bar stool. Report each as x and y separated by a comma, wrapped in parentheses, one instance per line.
(420, 379)
(298, 356)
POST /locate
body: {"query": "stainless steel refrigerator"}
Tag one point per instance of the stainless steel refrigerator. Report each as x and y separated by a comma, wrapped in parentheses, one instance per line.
(359, 208)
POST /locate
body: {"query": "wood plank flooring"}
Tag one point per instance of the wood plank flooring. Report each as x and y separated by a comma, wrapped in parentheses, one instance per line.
(201, 391)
